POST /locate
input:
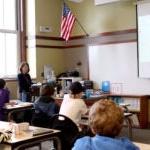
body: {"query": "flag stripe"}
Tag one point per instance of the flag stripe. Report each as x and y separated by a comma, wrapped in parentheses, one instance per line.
(69, 27)
(67, 23)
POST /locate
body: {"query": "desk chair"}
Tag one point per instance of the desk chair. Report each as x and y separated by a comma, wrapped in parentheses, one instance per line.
(40, 119)
(35, 92)
(128, 120)
(20, 115)
(69, 130)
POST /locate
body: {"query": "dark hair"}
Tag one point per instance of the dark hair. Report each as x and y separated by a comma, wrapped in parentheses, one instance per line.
(47, 90)
(22, 65)
(76, 88)
(2, 83)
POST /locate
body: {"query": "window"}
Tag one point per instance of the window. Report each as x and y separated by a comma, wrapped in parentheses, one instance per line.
(9, 37)
(31, 42)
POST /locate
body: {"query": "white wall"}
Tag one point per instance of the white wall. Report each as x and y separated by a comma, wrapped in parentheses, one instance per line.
(118, 64)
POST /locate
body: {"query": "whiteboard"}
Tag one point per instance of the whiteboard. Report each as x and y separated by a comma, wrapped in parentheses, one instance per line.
(117, 63)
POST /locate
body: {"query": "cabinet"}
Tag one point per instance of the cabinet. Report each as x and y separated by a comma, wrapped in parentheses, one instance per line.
(138, 105)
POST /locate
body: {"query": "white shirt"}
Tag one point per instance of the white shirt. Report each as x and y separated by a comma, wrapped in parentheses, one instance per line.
(73, 108)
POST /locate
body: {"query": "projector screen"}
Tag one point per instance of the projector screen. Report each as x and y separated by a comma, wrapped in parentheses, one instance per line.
(143, 21)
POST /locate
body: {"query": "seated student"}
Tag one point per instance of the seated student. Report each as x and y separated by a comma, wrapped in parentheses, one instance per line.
(45, 107)
(106, 121)
(73, 106)
(4, 97)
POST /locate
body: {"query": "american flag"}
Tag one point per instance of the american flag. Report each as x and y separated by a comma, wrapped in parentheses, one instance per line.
(67, 22)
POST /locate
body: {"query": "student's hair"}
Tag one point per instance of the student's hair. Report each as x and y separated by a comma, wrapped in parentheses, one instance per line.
(24, 63)
(2, 83)
(106, 118)
(76, 88)
(47, 90)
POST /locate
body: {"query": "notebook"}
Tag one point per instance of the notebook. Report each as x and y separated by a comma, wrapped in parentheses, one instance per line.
(40, 131)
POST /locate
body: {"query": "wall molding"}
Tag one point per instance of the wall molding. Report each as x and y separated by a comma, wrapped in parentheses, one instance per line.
(120, 36)
(59, 47)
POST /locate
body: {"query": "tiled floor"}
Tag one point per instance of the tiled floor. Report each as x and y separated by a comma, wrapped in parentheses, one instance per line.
(138, 135)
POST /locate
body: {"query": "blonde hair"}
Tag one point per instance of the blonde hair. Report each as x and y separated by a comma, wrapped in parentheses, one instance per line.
(106, 118)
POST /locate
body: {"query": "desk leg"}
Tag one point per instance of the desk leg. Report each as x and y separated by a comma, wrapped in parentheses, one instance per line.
(128, 120)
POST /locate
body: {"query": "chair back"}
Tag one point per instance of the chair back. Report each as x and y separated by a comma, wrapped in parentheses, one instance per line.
(40, 119)
(69, 130)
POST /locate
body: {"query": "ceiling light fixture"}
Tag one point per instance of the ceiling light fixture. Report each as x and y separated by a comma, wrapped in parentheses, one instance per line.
(76, 1)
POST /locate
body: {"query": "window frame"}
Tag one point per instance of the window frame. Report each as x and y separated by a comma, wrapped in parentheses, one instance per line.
(20, 32)
(21, 15)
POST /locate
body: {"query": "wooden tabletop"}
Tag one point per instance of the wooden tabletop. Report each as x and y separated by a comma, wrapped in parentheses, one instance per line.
(16, 104)
(32, 133)
(142, 146)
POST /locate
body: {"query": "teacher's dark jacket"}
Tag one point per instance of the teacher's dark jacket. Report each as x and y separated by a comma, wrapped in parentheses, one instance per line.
(25, 82)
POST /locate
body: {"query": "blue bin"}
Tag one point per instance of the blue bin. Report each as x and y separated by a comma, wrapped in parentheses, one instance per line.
(106, 86)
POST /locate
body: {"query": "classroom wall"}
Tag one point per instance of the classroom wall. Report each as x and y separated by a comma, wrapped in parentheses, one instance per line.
(99, 19)
(103, 18)
(54, 57)
(48, 13)
(94, 18)
(12, 86)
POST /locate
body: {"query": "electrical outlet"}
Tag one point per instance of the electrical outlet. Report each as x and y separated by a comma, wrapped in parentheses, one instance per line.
(45, 29)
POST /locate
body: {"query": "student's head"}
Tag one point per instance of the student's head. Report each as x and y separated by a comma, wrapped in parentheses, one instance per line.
(2, 83)
(106, 118)
(24, 67)
(76, 88)
(47, 90)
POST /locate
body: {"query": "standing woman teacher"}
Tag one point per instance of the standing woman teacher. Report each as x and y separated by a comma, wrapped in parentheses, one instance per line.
(24, 82)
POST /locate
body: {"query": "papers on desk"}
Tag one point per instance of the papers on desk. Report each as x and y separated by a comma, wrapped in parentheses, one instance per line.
(94, 96)
(142, 146)
(37, 84)
(40, 131)
(17, 105)
(124, 104)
